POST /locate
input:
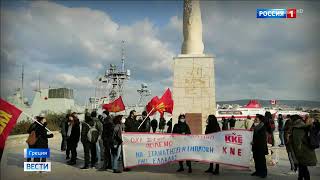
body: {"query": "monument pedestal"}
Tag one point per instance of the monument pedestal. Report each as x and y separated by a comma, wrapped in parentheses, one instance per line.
(194, 88)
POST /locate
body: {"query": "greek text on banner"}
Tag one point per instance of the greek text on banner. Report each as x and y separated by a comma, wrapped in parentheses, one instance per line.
(226, 147)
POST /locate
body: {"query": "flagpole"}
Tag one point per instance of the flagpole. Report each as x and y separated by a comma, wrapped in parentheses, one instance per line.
(36, 121)
(147, 117)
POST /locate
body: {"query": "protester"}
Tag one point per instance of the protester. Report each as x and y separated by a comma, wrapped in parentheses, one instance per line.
(281, 129)
(42, 136)
(288, 144)
(145, 126)
(232, 122)
(248, 123)
(31, 128)
(270, 125)
(259, 147)
(89, 145)
(107, 134)
(63, 132)
(304, 154)
(154, 125)
(162, 124)
(116, 144)
(99, 144)
(73, 136)
(182, 128)
(212, 127)
(169, 124)
(224, 123)
(131, 124)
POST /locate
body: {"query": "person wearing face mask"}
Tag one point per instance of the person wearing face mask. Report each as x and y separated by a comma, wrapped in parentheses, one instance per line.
(73, 136)
(182, 128)
(145, 127)
(259, 147)
(42, 136)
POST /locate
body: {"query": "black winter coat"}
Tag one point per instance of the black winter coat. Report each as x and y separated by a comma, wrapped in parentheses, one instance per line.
(131, 125)
(211, 129)
(75, 134)
(108, 127)
(259, 142)
(145, 127)
(232, 122)
(181, 128)
(42, 137)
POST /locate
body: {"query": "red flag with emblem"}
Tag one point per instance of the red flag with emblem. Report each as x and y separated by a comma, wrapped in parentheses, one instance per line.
(115, 106)
(166, 102)
(8, 119)
(152, 105)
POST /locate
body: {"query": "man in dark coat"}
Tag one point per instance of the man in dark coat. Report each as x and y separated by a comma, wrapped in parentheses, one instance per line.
(107, 133)
(305, 155)
(169, 124)
(73, 136)
(182, 128)
(232, 122)
(131, 124)
(259, 147)
(89, 147)
(154, 125)
(63, 133)
(281, 129)
(288, 144)
(145, 127)
(224, 123)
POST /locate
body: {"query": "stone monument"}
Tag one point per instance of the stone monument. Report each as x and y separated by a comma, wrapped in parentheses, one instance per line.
(193, 71)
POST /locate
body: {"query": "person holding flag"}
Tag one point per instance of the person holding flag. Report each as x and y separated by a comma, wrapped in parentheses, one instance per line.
(41, 135)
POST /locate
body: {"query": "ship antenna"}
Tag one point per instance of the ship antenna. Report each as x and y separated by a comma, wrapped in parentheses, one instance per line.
(22, 76)
(122, 55)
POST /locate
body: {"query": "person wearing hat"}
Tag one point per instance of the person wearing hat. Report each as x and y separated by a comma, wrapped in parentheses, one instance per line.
(41, 134)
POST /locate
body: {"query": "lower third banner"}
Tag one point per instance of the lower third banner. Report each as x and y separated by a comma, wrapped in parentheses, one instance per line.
(225, 147)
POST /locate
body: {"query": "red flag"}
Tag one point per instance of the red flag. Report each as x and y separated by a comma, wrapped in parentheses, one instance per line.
(8, 119)
(116, 106)
(166, 102)
(151, 106)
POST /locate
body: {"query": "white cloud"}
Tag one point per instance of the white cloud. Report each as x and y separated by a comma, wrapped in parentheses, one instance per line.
(72, 46)
(69, 79)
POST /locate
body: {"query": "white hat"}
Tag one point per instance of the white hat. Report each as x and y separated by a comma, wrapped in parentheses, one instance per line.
(41, 115)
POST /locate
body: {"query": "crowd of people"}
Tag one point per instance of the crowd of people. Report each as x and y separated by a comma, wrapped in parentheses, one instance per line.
(101, 137)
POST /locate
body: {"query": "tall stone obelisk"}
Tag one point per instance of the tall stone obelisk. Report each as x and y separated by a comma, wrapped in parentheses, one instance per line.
(193, 72)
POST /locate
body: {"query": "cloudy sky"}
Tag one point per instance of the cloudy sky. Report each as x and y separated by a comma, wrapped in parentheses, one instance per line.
(69, 43)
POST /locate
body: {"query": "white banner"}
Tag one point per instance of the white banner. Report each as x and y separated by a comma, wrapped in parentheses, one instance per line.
(226, 147)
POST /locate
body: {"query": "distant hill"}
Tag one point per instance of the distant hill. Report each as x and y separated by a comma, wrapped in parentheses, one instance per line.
(266, 103)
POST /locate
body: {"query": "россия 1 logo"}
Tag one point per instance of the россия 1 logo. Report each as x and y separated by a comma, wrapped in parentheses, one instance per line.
(278, 13)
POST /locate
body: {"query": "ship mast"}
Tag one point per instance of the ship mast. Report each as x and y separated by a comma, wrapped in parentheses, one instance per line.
(116, 77)
(22, 78)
